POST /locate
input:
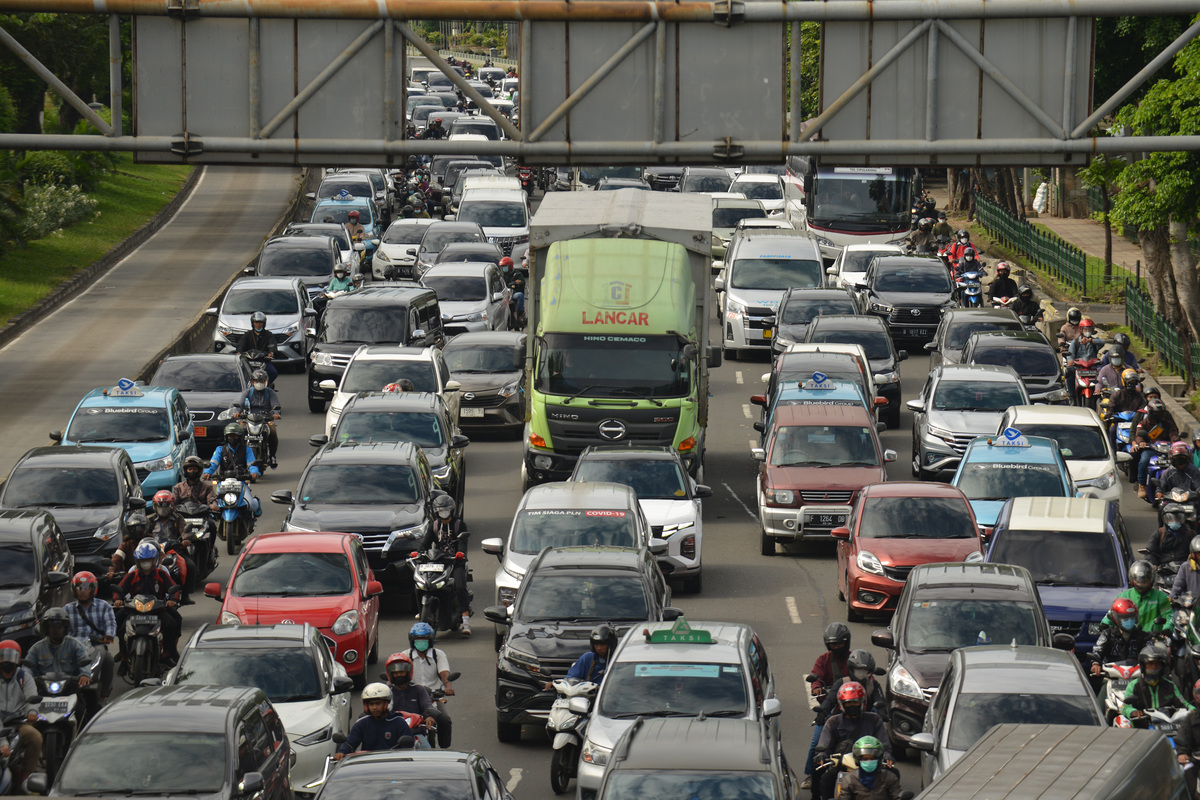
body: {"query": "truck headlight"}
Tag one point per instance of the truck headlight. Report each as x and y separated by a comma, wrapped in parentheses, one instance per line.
(346, 623)
(900, 682)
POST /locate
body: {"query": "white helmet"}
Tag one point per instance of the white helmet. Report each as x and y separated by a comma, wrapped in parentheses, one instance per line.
(377, 691)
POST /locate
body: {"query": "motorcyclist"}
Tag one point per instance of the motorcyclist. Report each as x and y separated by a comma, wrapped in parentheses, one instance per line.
(407, 212)
(1129, 396)
(1069, 331)
(435, 129)
(591, 666)
(1002, 285)
(942, 227)
(379, 728)
(1122, 340)
(1121, 640)
(194, 486)
(136, 527)
(962, 240)
(354, 227)
(341, 281)
(1025, 305)
(450, 535)
(1086, 345)
(861, 666)
(259, 339)
(234, 455)
(1187, 739)
(58, 652)
(166, 525)
(1180, 476)
(842, 730)
(260, 398)
(1151, 424)
(1196, 447)
(17, 689)
(969, 261)
(431, 669)
(830, 667)
(93, 620)
(1109, 376)
(1151, 603)
(869, 782)
(1153, 688)
(516, 282)
(921, 239)
(150, 578)
(407, 696)
(1170, 543)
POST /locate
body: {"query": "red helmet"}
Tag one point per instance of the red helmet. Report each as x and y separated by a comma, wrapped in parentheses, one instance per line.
(1180, 448)
(83, 580)
(1002, 267)
(10, 652)
(163, 497)
(1123, 609)
(1086, 322)
(353, 215)
(398, 664)
(506, 262)
(851, 698)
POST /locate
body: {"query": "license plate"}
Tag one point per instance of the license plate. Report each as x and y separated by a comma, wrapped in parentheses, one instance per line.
(143, 619)
(824, 520)
(767, 333)
(431, 568)
(201, 431)
(1120, 684)
(470, 412)
(1087, 373)
(919, 331)
(59, 706)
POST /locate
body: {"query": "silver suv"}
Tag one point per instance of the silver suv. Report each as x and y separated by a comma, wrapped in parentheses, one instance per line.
(958, 403)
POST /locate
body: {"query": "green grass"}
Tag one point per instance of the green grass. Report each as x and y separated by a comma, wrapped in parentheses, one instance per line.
(127, 197)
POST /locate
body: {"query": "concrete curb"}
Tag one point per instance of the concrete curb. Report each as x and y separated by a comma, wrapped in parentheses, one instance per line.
(197, 336)
(75, 285)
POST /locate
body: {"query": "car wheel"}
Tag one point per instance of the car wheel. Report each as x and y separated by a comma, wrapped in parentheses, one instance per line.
(373, 656)
(893, 418)
(693, 583)
(507, 732)
(498, 640)
(767, 544)
(316, 404)
(851, 614)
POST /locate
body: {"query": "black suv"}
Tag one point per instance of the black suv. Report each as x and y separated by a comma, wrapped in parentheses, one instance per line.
(566, 592)
(220, 742)
(910, 292)
(872, 334)
(403, 315)
(799, 307)
(89, 490)
(309, 258)
(35, 573)
(944, 607)
(381, 492)
(1029, 354)
(957, 326)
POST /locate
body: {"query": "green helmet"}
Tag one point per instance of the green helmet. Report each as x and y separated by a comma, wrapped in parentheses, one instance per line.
(233, 429)
(868, 747)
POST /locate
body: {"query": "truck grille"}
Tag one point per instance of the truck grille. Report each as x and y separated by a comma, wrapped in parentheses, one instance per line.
(642, 426)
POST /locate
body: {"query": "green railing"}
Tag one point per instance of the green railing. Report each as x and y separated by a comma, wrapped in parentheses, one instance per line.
(1067, 263)
(1172, 345)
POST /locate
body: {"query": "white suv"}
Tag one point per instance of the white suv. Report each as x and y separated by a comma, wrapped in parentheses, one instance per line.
(372, 367)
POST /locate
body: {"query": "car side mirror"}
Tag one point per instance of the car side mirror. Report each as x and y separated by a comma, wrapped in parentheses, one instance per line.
(359, 246)
(283, 497)
(671, 613)
(840, 533)
(1063, 641)
(459, 441)
(831, 271)
(56, 436)
(135, 504)
(901, 355)
(884, 639)
(56, 578)
(758, 426)
(211, 312)
(1124, 457)
(758, 453)
(758, 400)
(38, 783)
(311, 331)
(318, 440)
(493, 547)
(659, 546)
(248, 271)
(719, 283)
(914, 405)
(310, 312)
(418, 333)
(889, 456)
(880, 427)
(328, 385)
(213, 590)
(702, 491)
(251, 783)
(498, 614)
(922, 741)
(343, 684)
(880, 402)
(930, 347)
(771, 707)
(374, 589)
(449, 217)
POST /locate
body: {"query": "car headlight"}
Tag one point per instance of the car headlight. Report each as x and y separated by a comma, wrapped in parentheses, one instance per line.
(879, 308)
(316, 737)
(224, 329)
(290, 329)
(940, 433)
(442, 473)
(900, 682)
(346, 623)
(734, 308)
(1056, 395)
(595, 754)
(25, 617)
(510, 390)
(1105, 481)
(670, 530)
(507, 595)
(382, 256)
(887, 377)
(322, 359)
(821, 240)
(227, 414)
(158, 464)
(108, 530)
(475, 316)
(520, 658)
(780, 497)
(229, 618)
(868, 562)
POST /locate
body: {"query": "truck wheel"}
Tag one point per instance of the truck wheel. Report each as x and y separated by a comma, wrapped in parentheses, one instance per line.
(508, 733)
(768, 544)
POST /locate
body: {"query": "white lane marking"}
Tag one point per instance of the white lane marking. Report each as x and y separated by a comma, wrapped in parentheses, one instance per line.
(746, 411)
(737, 376)
(745, 507)
(793, 612)
(754, 443)
(514, 777)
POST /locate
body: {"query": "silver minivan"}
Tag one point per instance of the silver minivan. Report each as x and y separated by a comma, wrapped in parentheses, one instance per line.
(565, 514)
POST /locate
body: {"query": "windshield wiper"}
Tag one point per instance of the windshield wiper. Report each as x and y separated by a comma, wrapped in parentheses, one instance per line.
(266, 594)
(107, 439)
(856, 464)
(666, 712)
(725, 712)
(580, 393)
(295, 698)
(625, 390)
(149, 439)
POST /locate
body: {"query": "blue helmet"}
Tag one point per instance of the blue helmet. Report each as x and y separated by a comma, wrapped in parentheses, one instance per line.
(146, 551)
(422, 630)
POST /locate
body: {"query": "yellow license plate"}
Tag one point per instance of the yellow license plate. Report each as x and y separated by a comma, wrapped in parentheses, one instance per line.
(767, 333)
(201, 431)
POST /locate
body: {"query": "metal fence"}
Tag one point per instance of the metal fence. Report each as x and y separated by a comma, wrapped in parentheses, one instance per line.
(1067, 263)
(1174, 347)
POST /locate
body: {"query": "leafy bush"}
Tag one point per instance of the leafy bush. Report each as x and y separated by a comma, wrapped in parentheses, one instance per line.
(47, 167)
(8, 112)
(90, 165)
(49, 208)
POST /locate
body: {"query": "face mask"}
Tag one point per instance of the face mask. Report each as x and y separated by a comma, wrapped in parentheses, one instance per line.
(421, 645)
(1174, 525)
(869, 766)
(852, 711)
(444, 513)
(1128, 624)
(192, 475)
(164, 511)
(259, 386)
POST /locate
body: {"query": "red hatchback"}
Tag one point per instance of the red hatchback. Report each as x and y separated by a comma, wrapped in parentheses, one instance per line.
(894, 527)
(319, 578)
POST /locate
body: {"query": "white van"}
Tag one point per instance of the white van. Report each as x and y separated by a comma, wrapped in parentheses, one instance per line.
(502, 213)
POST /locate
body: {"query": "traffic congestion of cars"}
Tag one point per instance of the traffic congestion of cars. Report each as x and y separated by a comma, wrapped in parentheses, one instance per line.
(981, 586)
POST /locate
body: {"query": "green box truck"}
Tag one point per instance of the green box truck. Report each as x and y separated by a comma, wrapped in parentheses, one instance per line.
(619, 309)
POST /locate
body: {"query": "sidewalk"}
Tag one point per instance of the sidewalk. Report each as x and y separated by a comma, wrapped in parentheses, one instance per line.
(1088, 236)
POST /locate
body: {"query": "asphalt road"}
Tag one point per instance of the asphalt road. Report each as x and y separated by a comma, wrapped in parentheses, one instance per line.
(788, 599)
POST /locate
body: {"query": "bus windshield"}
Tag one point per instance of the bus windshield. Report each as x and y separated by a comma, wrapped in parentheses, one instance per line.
(861, 199)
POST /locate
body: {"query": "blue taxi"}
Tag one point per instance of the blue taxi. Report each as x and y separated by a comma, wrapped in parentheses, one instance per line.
(817, 390)
(1009, 464)
(338, 207)
(151, 423)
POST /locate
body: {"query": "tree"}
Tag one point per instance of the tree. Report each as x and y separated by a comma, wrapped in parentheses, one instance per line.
(1159, 194)
(1102, 173)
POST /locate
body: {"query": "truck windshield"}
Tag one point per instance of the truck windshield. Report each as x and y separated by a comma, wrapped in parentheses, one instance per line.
(612, 366)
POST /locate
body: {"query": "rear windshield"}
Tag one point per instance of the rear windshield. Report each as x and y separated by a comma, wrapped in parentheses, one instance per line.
(403, 234)
(582, 598)
(246, 300)
(958, 333)
(776, 273)
(876, 343)
(799, 311)
(730, 216)
(1024, 360)
(457, 288)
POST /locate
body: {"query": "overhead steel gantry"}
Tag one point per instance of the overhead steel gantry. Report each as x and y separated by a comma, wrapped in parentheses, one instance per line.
(546, 117)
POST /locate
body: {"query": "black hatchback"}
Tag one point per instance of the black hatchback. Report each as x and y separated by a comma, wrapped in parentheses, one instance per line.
(872, 333)
(35, 571)
(1030, 355)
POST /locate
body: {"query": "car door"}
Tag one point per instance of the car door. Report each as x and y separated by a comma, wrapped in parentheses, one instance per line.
(57, 558)
(339, 702)
(453, 398)
(368, 606)
(935, 723)
(185, 431)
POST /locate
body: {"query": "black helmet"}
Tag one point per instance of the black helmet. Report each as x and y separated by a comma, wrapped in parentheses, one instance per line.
(443, 506)
(1074, 315)
(258, 316)
(1141, 575)
(55, 616)
(1025, 291)
(941, 215)
(235, 430)
(259, 376)
(412, 161)
(861, 664)
(962, 234)
(407, 212)
(193, 461)
(925, 224)
(1122, 340)
(837, 636)
(1116, 356)
(603, 634)
(136, 524)
(1145, 656)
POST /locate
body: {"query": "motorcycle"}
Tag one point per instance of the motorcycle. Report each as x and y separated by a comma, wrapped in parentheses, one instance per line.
(433, 582)
(1159, 462)
(10, 775)
(1086, 370)
(567, 725)
(1167, 720)
(1124, 438)
(200, 528)
(257, 359)
(970, 288)
(1117, 677)
(236, 506)
(1184, 641)
(58, 718)
(143, 637)
(256, 425)
(1178, 500)
(526, 176)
